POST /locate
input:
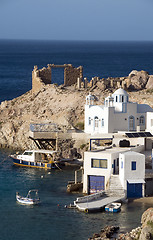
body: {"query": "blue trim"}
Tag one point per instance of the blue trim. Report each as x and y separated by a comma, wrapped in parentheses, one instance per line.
(143, 120)
(34, 164)
(102, 122)
(124, 104)
(132, 117)
(133, 165)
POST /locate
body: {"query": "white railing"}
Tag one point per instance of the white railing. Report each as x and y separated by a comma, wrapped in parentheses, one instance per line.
(89, 197)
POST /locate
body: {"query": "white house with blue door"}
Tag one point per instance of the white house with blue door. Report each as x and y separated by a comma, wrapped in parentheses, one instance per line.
(98, 167)
(132, 173)
(117, 114)
(127, 165)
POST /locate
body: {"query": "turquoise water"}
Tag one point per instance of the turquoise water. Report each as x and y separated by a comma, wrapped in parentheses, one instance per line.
(48, 220)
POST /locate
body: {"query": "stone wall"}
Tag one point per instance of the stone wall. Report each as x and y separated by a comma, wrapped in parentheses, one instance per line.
(40, 78)
(71, 75)
(137, 80)
(43, 76)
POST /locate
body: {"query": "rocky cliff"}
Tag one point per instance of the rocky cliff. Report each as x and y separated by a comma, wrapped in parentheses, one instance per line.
(53, 104)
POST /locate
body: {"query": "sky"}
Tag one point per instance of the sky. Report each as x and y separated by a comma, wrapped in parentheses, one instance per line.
(104, 20)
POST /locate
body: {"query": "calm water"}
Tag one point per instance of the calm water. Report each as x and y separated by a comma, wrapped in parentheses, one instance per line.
(103, 59)
(48, 221)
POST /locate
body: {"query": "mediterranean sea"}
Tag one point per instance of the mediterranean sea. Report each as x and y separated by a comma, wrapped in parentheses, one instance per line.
(51, 220)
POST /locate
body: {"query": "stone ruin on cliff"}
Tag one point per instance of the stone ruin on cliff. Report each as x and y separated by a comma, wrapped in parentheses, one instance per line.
(136, 80)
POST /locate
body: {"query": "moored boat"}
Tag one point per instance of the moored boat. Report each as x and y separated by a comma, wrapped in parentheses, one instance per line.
(113, 207)
(32, 198)
(35, 158)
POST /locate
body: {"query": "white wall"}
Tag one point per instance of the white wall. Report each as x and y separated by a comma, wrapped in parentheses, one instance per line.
(88, 170)
(149, 122)
(126, 173)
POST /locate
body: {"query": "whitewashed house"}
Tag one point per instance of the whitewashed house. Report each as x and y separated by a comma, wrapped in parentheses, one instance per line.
(125, 166)
(132, 173)
(117, 114)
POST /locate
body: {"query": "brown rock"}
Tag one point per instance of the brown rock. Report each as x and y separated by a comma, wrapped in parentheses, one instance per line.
(150, 82)
(138, 80)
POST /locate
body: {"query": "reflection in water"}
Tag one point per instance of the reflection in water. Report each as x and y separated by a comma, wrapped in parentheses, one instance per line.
(51, 220)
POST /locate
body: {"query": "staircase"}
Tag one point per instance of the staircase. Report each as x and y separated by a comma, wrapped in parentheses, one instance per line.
(115, 187)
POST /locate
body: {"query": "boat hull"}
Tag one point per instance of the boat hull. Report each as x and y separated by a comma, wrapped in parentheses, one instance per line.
(24, 163)
(27, 201)
(113, 208)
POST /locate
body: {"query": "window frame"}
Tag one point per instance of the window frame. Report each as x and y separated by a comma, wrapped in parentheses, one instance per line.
(133, 165)
(99, 164)
(142, 120)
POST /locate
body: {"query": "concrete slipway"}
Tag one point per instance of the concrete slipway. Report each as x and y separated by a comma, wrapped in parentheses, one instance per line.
(96, 203)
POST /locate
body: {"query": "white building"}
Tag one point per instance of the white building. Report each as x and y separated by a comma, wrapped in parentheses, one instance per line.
(123, 165)
(132, 173)
(127, 166)
(117, 114)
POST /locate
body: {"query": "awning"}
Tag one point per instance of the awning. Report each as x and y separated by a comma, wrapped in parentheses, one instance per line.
(135, 181)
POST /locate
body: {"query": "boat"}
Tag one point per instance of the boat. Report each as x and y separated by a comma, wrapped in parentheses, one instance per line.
(35, 158)
(32, 198)
(113, 207)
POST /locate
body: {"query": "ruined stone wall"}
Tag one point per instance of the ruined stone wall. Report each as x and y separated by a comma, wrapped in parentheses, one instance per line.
(40, 78)
(45, 75)
(71, 75)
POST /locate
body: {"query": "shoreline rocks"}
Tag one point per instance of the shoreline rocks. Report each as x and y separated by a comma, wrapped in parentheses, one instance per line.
(144, 232)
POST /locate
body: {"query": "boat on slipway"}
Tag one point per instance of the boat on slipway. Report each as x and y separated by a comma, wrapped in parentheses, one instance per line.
(32, 198)
(113, 207)
(36, 158)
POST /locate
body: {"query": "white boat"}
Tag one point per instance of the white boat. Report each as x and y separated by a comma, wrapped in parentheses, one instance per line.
(35, 158)
(32, 198)
(113, 207)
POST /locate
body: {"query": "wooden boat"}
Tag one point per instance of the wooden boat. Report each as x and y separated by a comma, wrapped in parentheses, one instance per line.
(113, 207)
(35, 158)
(32, 198)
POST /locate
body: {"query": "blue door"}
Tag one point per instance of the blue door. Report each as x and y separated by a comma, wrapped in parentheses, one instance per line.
(134, 190)
(96, 184)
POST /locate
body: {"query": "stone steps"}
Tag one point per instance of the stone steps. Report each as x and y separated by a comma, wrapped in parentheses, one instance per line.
(115, 187)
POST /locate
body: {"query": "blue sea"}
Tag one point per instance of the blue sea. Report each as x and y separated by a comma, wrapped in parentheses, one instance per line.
(51, 220)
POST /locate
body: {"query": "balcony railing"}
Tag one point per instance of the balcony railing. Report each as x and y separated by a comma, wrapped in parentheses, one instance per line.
(43, 127)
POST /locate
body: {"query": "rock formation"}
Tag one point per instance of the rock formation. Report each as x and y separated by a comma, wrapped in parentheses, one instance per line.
(145, 232)
(61, 105)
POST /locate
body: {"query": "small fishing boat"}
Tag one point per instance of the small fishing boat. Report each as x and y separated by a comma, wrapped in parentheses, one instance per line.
(113, 207)
(32, 198)
(35, 158)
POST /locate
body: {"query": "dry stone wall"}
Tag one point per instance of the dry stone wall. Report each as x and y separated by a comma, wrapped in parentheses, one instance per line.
(43, 76)
(71, 75)
(136, 80)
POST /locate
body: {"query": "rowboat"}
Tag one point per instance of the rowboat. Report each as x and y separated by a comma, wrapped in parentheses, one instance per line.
(32, 198)
(113, 207)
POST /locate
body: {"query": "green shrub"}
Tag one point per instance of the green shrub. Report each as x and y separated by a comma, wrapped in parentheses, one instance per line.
(80, 125)
(82, 145)
(149, 90)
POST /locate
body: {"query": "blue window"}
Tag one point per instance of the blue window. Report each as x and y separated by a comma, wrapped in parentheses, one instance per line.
(89, 121)
(98, 163)
(122, 164)
(102, 122)
(133, 165)
(142, 120)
